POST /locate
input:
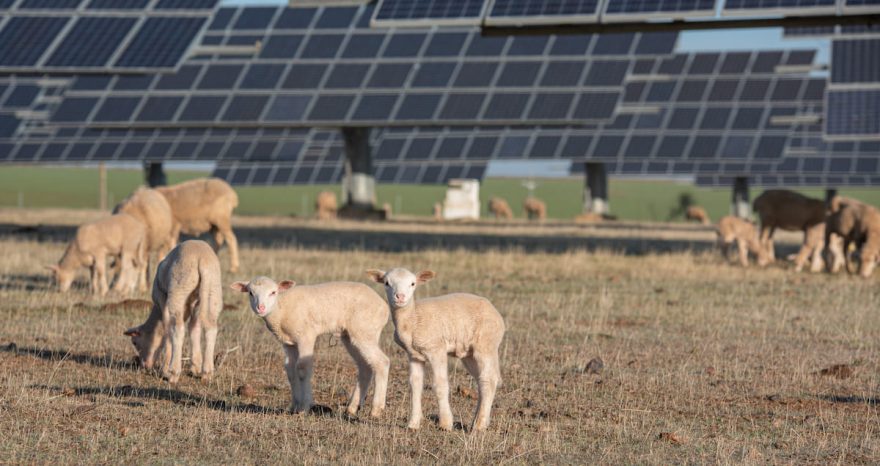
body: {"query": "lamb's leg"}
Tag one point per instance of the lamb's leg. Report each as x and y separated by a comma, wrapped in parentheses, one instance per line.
(365, 374)
(123, 280)
(439, 365)
(291, 355)
(101, 274)
(416, 384)
(210, 325)
(233, 247)
(195, 340)
(743, 249)
(379, 365)
(801, 258)
(93, 279)
(173, 321)
(305, 365)
(487, 366)
(869, 254)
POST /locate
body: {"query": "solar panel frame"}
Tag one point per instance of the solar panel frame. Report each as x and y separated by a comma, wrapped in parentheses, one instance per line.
(856, 7)
(706, 9)
(558, 17)
(778, 7)
(469, 18)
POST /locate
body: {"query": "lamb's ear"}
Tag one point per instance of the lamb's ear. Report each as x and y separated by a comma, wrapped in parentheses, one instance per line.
(286, 285)
(377, 275)
(240, 286)
(425, 276)
(132, 332)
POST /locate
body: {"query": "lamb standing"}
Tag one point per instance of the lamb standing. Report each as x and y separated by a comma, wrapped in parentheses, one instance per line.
(856, 223)
(461, 325)
(297, 316)
(730, 229)
(499, 208)
(187, 289)
(204, 205)
(534, 208)
(326, 205)
(152, 210)
(121, 236)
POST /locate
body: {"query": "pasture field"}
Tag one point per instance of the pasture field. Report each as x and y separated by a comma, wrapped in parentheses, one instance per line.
(640, 200)
(704, 362)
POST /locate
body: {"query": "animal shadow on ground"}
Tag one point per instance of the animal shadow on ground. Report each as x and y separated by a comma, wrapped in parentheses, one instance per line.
(27, 282)
(55, 355)
(851, 399)
(165, 394)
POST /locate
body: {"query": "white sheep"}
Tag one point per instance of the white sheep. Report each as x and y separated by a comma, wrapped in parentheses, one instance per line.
(462, 325)
(297, 316)
(187, 289)
(120, 236)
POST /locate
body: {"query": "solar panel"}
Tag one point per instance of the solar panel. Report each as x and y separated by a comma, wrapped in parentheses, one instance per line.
(782, 7)
(860, 6)
(24, 39)
(855, 61)
(161, 42)
(421, 12)
(853, 114)
(519, 12)
(632, 10)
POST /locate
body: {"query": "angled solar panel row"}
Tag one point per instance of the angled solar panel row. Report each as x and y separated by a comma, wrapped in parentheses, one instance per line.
(146, 6)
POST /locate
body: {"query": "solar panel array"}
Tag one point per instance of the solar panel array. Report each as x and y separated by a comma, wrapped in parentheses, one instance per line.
(852, 109)
(325, 67)
(74, 36)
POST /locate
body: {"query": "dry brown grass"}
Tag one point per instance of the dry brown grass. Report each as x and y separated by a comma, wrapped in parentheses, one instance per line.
(703, 362)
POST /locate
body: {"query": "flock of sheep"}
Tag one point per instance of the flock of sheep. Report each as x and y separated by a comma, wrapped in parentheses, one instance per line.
(187, 292)
(832, 231)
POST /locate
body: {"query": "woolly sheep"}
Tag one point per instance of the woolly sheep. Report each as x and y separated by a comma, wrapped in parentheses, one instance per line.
(499, 208)
(788, 210)
(534, 208)
(152, 210)
(461, 325)
(698, 214)
(187, 289)
(856, 223)
(204, 205)
(326, 205)
(120, 236)
(298, 315)
(730, 229)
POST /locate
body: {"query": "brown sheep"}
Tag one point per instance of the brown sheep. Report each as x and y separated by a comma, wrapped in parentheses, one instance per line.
(499, 208)
(698, 214)
(858, 224)
(150, 208)
(204, 205)
(326, 205)
(535, 208)
(730, 229)
(788, 210)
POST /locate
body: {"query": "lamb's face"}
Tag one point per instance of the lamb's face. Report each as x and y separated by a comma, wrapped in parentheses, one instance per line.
(400, 284)
(146, 343)
(263, 293)
(64, 278)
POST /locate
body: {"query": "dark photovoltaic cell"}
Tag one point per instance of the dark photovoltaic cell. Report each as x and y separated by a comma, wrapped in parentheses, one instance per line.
(91, 42)
(161, 42)
(187, 4)
(792, 7)
(628, 10)
(540, 11)
(117, 4)
(853, 114)
(389, 12)
(855, 61)
(49, 4)
(24, 39)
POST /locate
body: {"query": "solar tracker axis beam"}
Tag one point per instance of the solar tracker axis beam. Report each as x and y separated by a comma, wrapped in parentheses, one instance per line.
(359, 184)
(691, 25)
(740, 206)
(596, 189)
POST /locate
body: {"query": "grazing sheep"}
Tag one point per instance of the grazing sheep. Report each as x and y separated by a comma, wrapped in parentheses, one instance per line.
(534, 208)
(859, 224)
(326, 205)
(297, 316)
(731, 228)
(698, 214)
(187, 289)
(121, 236)
(788, 210)
(461, 325)
(204, 205)
(152, 210)
(499, 208)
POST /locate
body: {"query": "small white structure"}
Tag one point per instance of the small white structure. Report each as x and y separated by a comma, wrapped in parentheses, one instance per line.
(462, 200)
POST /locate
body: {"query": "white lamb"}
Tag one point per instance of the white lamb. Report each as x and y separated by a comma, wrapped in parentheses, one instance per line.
(297, 316)
(462, 325)
(187, 288)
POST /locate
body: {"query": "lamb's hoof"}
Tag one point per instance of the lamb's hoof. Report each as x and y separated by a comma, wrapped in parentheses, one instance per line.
(233, 269)
(447, 427)
(377, 413)
(413, 426)
(172, 378)
(206, 377)
(351, 412)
